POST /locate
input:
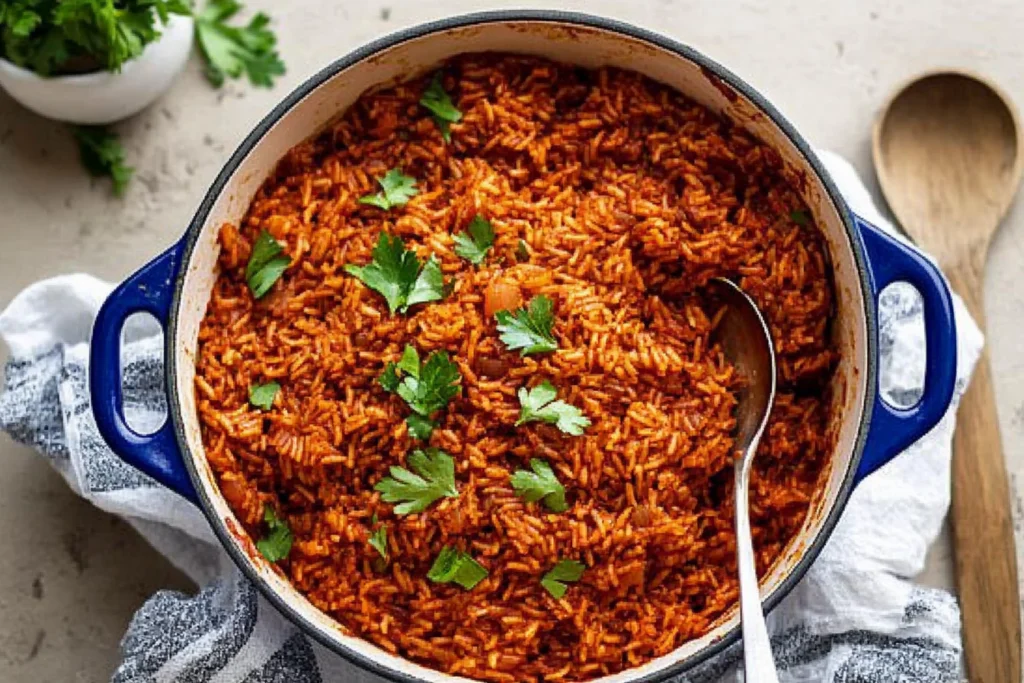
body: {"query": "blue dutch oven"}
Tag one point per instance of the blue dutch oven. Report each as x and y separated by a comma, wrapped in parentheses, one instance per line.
(175, 287)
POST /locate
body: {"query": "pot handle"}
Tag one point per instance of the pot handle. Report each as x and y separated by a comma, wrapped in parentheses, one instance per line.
(148, 290)
(892, 429)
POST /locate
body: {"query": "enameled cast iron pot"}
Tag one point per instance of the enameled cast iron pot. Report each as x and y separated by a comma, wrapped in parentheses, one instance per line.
(176, 285)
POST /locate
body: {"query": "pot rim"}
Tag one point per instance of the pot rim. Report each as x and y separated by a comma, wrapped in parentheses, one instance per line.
(237, 553)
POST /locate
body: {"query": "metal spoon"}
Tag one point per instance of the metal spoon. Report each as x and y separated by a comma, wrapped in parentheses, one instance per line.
(744, 339)
(949, 152)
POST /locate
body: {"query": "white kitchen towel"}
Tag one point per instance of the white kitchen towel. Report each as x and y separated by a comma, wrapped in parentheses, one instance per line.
(856, 617)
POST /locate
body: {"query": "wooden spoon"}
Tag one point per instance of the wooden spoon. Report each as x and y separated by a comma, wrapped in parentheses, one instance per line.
(948, 153)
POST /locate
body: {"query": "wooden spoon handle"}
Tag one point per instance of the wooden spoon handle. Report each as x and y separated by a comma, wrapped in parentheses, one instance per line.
(986, 558)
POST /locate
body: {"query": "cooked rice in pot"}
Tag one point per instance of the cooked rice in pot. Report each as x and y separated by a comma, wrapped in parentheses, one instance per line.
(629, 197)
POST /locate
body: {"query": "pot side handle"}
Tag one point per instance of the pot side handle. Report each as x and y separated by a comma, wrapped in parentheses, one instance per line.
(149, 290)
(892, 429)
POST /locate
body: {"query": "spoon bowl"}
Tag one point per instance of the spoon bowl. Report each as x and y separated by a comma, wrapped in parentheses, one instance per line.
(948, 152)
(745, 340)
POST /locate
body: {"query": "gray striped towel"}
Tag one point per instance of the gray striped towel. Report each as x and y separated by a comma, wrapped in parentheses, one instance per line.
(856, 617)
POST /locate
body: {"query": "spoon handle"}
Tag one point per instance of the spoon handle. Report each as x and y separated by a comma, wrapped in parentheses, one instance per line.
(986, 558)
(759, 667)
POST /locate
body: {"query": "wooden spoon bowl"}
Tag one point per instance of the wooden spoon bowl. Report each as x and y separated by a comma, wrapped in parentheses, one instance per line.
(948, 153)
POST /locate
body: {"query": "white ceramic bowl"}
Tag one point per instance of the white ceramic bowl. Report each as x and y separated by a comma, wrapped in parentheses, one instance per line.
(175, 287)
(104, 97)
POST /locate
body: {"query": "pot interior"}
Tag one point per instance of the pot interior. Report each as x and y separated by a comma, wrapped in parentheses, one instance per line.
(403, 57)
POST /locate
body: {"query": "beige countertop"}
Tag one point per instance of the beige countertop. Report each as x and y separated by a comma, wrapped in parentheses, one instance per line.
(71, 576)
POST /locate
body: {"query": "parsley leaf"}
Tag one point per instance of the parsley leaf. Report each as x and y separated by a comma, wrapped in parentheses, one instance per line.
(541, 484)
(265, 265)
(397, 274)
(379, 541)
(427, 388)
(262, 395)
(278, 542)
(528, 329)
(434, 478)
(455, 565)
(473, 247)
(440, 105)
(396, 190)
(420, 427)
(800, 218)
(566, 571)
(522, 251)
(539, 405)
(102, 155)
(230, 51)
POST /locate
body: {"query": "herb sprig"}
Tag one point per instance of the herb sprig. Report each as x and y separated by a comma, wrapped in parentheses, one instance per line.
(102, 155)
(566, 571)
(529, 329)
(539, 405)
(396, 190)
(231, 51)
(441, 107)
(397, 274)
(540, 484)
(277, 543)
(379, 541)
(474, 246)
(262, 395)
(266, 264)
(426, 387)
(453, 565)
(433, 477)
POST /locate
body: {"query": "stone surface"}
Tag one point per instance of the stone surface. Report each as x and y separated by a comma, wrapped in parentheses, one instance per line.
(70, 576)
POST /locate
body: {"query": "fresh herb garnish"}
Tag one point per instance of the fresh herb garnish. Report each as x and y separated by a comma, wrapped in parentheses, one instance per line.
(800, 218)
(539, 405)
(266, 264)
(262, 395)
(102, 155)
(455, 565)
(427, 387)
(434, 478)
(397, 274)
(379, 541)
(566, 571)
(278, 542)
(440, 105)
(53, 36)
(522, 251)
(233, 50)
(473, 247)
(541, 484)
(396, 190)
(528, 329)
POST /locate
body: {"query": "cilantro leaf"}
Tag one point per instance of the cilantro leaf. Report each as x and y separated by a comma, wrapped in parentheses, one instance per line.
(265, 265)
(539, 405)
(455, 565)
(437, 384)
(800, 218)
(262, 395)
(434, 478)
(528, 329)
(440, 105)
(566, 571)
(396, 190)
(420, 427)
(277, 543)
(230, 51)
(541, 484)
(102, 155)
(427, 388)
(473, 247)
(522, 251)
(396, 274)
(379, 541)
